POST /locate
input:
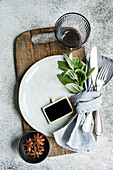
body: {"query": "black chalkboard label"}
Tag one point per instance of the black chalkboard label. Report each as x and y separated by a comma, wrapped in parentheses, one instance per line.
(58, 109)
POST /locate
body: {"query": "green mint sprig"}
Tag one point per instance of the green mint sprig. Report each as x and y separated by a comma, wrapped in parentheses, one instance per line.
(73, 75)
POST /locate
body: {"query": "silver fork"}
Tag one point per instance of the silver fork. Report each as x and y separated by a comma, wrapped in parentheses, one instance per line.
(99, 83)
(101, 77)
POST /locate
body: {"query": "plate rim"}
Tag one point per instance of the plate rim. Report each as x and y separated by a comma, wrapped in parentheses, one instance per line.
(20, 85)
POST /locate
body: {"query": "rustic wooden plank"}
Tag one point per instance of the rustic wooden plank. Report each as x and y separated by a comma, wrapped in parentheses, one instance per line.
(27, 54)
(24, 53)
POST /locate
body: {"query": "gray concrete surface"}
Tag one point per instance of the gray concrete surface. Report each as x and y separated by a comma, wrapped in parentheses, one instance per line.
(17, 16)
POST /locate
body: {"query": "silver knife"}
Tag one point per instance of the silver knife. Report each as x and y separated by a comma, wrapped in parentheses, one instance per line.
(93, 64)
(98, 129)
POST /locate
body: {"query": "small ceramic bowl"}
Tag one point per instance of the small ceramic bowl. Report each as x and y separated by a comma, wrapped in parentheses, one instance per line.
(23, 152)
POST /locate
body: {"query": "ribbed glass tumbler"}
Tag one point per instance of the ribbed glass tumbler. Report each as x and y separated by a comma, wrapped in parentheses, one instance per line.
(72, 30)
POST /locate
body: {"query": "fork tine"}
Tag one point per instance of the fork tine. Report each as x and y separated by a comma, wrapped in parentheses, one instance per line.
(106, 71)
(102, 75)
(101, 70)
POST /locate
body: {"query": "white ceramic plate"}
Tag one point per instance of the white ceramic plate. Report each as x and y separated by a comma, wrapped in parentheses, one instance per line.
(38, 86)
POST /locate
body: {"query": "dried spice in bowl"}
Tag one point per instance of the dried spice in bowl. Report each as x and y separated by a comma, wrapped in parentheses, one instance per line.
(34, 147)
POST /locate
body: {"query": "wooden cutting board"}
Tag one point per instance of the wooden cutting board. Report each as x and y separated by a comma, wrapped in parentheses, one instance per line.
(32, 46)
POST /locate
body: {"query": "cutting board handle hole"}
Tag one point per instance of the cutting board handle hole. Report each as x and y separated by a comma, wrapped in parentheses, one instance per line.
(43, 38)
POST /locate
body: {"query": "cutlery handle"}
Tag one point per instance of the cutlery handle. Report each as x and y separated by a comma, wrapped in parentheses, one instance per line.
(87, 123)
(98, 124)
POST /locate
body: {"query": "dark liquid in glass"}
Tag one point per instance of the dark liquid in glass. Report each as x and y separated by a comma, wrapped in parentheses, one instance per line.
(71, 37)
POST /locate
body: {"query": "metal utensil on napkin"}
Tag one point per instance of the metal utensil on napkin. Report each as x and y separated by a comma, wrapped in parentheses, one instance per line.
(93, 64)
(100, 80)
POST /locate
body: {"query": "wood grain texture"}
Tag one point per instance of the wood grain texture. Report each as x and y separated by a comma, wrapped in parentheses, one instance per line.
(27, 53)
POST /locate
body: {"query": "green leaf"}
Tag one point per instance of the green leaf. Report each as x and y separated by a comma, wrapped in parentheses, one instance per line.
(74, 88)
(78, 64)
(71, 56)
(64, 79)
(69, 61)
(63, 65)
(89, 72)
(83, 67)
(72, 75)
(81, 76)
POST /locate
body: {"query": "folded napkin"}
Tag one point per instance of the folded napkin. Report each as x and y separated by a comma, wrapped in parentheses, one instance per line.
(72, 136)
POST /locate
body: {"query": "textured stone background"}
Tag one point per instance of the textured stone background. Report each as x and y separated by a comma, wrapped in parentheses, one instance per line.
(17, 16)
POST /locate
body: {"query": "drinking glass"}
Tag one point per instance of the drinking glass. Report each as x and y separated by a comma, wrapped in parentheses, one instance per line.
(72, 30)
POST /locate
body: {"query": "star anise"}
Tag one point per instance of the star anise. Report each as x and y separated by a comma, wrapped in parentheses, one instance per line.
(28, 145)
(29, 142)
(38, 140)
(36, 152)
(34, 147)
(29, 148)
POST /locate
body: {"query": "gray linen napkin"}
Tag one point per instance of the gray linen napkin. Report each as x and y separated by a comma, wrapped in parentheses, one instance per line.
(72, 136)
